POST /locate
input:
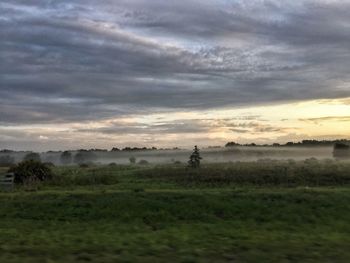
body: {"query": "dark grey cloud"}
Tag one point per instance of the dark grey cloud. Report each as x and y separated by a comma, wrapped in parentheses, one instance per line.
(255, 127)
(188, 126)
(169, 127)
(238, 130)
(63, 61)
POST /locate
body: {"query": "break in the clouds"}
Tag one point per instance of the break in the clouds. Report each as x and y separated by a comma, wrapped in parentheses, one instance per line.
(66, 61)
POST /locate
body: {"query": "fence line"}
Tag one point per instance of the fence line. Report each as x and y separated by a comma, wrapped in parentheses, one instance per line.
(7, 181)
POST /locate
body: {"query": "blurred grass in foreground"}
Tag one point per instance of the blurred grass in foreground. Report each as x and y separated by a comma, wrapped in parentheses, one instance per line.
(173, 214)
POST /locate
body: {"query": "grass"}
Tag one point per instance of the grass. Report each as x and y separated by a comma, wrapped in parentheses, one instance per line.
(141, 214)
(310, 172)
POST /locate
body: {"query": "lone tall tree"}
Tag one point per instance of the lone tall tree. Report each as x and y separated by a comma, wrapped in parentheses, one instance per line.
(195, 158)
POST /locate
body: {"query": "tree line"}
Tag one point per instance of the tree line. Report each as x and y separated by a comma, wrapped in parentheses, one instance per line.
(305, 143)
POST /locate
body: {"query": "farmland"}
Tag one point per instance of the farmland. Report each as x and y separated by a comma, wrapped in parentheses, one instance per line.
(267, 211)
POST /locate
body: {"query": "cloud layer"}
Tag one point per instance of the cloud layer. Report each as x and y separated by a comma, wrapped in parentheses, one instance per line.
(82, 60)
(87, 60)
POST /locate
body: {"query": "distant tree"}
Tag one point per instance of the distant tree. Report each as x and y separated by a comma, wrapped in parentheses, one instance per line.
(115, 149)
(341, 150)
(66, 157)
(49, 158)
(32, 157)
(97, 150)
(231, 144)
(132, 160)
(129, 149)
(6, 151)
(84, 157)
(6, 160)
(195, 158)
(79, 158)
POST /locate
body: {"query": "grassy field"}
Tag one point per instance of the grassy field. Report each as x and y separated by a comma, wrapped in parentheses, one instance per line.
(173, 214)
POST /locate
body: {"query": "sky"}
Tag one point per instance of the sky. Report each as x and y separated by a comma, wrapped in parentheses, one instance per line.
(103, 74)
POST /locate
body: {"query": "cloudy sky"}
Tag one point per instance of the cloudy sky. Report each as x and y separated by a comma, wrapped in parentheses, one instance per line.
(91, 73)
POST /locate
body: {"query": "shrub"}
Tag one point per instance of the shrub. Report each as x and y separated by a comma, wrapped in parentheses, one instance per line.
(143, 162)
(49, 164)
(30, 171)
(84, 165)
(132, 160)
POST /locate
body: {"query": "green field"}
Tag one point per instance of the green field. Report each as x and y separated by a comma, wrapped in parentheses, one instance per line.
(247, 212)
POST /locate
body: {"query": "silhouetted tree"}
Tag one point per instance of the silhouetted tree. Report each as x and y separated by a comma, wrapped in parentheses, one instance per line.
(195, 158)
(115, 149)
(32, 157)
(132, 160)
(66, 157)
(231, 144)
(341, 150)
(84, 157)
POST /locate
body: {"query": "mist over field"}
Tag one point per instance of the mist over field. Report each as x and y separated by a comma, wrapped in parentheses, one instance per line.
(217, 155)
(209, 155)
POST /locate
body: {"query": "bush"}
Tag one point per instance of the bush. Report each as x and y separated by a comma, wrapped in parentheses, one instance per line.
(31, 171)
(132, 160)
(84, 165)
(49, 164)
(143, 162)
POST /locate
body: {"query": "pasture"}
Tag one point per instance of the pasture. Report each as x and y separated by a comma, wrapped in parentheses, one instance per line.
(267, 211)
